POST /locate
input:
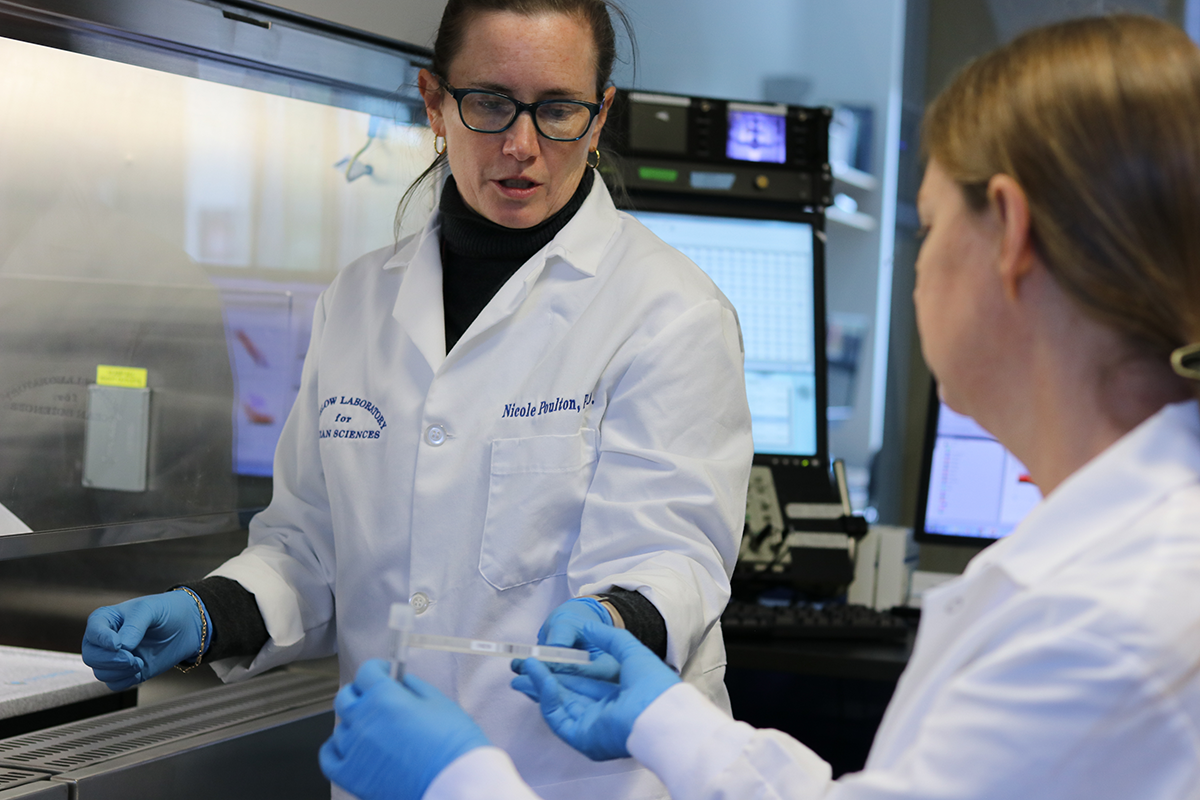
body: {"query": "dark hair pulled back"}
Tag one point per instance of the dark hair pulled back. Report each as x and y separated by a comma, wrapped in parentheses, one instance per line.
(459, 14)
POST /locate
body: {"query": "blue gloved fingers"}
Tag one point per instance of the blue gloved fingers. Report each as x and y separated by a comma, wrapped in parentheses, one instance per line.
(524, 685)
(562, 626)
(345, 700)
(337, 740)
(118, 668)
(394, 738)
(620, 644)
(333, 755)
(596, 717)
(372, 672)
(602, 667)
(136, 619)
(524, 682)
(329, 758)
(586, 688)
(545, 685)
(122, 684)
(142, 637)
(101, 629)
(98, 657)
(578, 720)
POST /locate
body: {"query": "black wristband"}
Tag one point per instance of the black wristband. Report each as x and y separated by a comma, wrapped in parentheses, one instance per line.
(641, 618)
(237, 624)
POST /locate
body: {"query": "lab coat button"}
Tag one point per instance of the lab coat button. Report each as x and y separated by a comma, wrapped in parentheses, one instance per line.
(435, 435)
(419, 602)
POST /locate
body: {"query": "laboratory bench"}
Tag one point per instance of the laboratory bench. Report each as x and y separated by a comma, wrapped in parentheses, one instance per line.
(185, 736)
(189, 736)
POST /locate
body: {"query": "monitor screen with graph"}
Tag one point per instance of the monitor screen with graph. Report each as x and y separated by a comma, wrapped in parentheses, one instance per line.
(973, 490)
(768, 268)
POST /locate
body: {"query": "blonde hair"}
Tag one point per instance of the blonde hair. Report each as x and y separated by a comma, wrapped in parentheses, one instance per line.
(1098, 120)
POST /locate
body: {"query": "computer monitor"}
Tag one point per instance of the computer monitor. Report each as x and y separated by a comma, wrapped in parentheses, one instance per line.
(770, 269)
(973, 490)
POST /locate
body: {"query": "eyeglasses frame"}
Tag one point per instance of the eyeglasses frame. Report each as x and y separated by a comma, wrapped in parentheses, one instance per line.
(459, 94)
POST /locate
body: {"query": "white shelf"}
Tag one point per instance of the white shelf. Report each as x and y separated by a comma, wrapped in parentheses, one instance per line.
(855, 219)
(855, 177)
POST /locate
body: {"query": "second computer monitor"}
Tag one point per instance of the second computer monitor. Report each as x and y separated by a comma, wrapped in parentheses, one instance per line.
(973, 490)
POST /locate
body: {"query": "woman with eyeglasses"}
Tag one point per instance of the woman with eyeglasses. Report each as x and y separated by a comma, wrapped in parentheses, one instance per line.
(527, 417)
(1058, 301)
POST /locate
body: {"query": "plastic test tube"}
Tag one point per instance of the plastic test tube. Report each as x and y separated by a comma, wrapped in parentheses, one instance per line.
(401, 620)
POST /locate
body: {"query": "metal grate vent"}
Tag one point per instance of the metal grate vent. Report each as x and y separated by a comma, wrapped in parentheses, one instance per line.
(19, 777)
(91, 741)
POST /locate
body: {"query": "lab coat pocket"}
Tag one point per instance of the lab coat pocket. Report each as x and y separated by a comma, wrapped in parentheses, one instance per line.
(535, 502)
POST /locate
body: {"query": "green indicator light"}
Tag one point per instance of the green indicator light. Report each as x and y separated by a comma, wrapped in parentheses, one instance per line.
(658, 174)
(804, 463)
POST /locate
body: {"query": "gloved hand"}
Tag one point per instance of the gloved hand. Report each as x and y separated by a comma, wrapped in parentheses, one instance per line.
(393, 739)
(133, 641)
(596, 717)
(564, 628)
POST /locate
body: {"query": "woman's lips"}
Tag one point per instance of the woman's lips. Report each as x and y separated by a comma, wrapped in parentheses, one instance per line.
(516, 188)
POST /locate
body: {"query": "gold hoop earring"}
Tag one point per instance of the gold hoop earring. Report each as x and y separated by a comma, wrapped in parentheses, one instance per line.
(595, 153)
(1186, 363)
(439, 140)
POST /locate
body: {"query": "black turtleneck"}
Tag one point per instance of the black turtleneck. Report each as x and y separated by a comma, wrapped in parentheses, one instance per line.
(478, 255)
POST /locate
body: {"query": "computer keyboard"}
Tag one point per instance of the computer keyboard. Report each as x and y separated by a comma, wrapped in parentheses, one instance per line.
(743, 621)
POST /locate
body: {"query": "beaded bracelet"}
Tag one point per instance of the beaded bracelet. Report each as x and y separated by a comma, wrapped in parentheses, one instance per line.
(203, 629)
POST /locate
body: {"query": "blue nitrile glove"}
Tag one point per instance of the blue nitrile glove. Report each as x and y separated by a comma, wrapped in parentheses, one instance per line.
(596, 717)
(393, 739)
(563, 628)
(133, 641)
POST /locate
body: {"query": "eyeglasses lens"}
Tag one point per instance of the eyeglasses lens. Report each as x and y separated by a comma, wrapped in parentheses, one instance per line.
(489, 113)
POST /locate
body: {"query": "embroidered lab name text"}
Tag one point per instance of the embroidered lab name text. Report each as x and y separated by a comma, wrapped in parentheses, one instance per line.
(540, 407)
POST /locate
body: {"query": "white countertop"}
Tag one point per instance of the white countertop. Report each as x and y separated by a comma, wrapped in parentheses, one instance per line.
(34, 680)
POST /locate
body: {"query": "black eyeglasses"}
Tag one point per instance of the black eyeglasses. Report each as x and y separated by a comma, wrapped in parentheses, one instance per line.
(491, 112)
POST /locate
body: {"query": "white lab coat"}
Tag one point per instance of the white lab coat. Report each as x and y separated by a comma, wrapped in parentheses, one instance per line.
(1064, 663)
(589, 430)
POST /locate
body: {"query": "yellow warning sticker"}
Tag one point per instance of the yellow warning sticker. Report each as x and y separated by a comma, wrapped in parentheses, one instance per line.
(129, 377)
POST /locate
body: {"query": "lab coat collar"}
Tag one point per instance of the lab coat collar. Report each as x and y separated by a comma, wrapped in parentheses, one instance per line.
(423, 320)
(581, 245)
(1102, 498)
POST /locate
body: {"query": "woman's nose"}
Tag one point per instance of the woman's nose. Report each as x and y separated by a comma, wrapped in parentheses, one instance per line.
(521, 140)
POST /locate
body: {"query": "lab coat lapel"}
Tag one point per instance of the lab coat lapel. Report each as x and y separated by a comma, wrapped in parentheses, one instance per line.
(949, 637)
(419, 308)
